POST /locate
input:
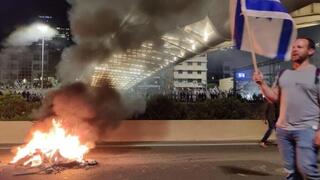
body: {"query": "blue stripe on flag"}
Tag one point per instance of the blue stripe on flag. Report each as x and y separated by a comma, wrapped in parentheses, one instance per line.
(265, 5)
(239, 25)
(287, 28)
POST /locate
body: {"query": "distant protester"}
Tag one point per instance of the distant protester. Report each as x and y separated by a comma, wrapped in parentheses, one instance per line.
(271, 116)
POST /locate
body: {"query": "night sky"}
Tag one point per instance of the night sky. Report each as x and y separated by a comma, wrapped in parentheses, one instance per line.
(14, 13)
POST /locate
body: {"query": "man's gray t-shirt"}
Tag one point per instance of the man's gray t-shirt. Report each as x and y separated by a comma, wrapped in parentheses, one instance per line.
(299, 105)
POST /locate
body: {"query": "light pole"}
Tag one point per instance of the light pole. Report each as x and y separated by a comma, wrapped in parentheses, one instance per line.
(43, 28)
(42, 63)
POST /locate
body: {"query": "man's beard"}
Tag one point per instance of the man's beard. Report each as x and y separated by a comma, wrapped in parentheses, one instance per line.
(301, 59)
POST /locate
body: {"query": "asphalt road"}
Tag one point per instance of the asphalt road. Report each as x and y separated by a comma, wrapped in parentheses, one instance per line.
(166, 163)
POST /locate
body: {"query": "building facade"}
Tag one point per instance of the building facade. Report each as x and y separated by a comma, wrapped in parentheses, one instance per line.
(15, 63)
(191, 73)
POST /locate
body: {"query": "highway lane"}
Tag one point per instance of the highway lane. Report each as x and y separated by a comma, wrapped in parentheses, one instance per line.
(167, 163)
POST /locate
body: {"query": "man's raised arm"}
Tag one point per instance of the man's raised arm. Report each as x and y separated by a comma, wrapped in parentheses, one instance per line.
(272, 94)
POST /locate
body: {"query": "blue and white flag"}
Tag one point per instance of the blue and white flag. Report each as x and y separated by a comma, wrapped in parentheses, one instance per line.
(272, 29)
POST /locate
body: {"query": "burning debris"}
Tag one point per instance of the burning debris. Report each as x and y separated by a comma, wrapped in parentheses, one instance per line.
(57, 168)
(53, 147)
(52, 152)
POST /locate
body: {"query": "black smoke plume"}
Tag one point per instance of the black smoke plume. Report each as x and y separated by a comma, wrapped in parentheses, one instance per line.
(84, 110)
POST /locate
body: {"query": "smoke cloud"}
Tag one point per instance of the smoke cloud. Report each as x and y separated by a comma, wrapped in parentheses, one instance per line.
(26, 35)
(103, 27)
(86, 111)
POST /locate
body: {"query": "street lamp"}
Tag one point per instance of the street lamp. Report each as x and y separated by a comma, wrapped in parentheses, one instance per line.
(43, 28)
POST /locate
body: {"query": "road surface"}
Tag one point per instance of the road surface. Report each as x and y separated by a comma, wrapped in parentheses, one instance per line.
(196, 162)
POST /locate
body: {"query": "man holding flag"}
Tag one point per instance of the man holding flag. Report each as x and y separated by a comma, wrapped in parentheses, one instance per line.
(297, 90)
(264, 27)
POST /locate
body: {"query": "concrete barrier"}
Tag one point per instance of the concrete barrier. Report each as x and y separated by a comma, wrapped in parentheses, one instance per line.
(14, 132)
(159, 131)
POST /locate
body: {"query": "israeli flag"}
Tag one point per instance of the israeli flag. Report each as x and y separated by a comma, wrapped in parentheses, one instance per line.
(272, 29)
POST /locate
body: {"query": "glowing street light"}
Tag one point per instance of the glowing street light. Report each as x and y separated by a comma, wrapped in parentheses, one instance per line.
(43, 28)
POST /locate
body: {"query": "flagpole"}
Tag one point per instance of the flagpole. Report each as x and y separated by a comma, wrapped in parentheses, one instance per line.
(248, 29)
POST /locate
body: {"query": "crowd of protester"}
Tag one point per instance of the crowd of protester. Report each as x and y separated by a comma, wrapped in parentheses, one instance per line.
(189, 95)
(202, 94)
(29, 93)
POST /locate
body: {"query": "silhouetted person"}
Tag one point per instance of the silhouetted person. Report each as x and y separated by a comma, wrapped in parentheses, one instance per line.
(271, 115)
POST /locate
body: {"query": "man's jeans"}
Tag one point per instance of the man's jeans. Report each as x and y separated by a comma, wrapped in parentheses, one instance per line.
(299, 153)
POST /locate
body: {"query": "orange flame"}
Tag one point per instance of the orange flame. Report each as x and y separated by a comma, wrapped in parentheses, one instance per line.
(49, 145)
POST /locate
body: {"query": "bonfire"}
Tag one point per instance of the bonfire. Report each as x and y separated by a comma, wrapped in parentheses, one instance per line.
(53, 149)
